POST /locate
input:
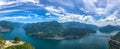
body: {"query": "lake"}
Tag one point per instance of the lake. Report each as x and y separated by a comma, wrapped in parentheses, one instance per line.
(88, 42)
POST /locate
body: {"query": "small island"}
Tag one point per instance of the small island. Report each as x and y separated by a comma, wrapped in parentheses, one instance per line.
(17, 43)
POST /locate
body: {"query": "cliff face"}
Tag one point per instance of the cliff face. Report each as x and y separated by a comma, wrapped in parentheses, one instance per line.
(114, 43)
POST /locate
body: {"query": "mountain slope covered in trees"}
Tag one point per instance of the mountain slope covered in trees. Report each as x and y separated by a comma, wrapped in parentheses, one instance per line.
(6, 26)
(54, 29)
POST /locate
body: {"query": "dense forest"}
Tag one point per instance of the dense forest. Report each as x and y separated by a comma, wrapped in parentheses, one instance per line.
(54, 29)
(76, 32)
(44, 29)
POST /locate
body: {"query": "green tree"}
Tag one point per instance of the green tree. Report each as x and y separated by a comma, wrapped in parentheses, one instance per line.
(2, 42)
(1, 38)
(17, 39)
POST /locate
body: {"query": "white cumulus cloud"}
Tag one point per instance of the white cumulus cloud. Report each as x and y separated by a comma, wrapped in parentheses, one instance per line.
(7, 11)
(67, 17)
(101, 6)
(8, 2)
(88, 19)
(15, 18)
(110, 20)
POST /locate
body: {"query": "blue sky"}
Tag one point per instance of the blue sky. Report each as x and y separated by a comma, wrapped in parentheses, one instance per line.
(97, 12)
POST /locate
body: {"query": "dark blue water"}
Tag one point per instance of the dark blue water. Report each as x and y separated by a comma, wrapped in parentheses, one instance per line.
(88, 42)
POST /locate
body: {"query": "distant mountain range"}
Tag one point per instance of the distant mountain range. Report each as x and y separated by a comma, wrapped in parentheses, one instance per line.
(109, 29)
(6, 26)
(79, 25)
(55, 29)
(104, 29)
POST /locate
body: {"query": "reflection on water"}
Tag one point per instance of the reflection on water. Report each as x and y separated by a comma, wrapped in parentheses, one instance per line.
(88, 42)
(91, 42)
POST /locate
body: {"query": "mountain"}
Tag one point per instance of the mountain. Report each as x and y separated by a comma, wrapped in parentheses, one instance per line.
(109, 29)
(6, 26)
(114, 42)
(54, 29)
(116, 37)
(77, 32)
(17, 24)
(43, 29)
(79, 25)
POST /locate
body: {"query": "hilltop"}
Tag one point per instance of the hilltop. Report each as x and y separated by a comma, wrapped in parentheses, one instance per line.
(17, 43)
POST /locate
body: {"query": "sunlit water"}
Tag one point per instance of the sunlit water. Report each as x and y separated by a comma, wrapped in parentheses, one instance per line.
(88, 42)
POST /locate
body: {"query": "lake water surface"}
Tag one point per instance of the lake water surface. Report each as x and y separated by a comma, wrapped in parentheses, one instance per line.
(88, 42)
